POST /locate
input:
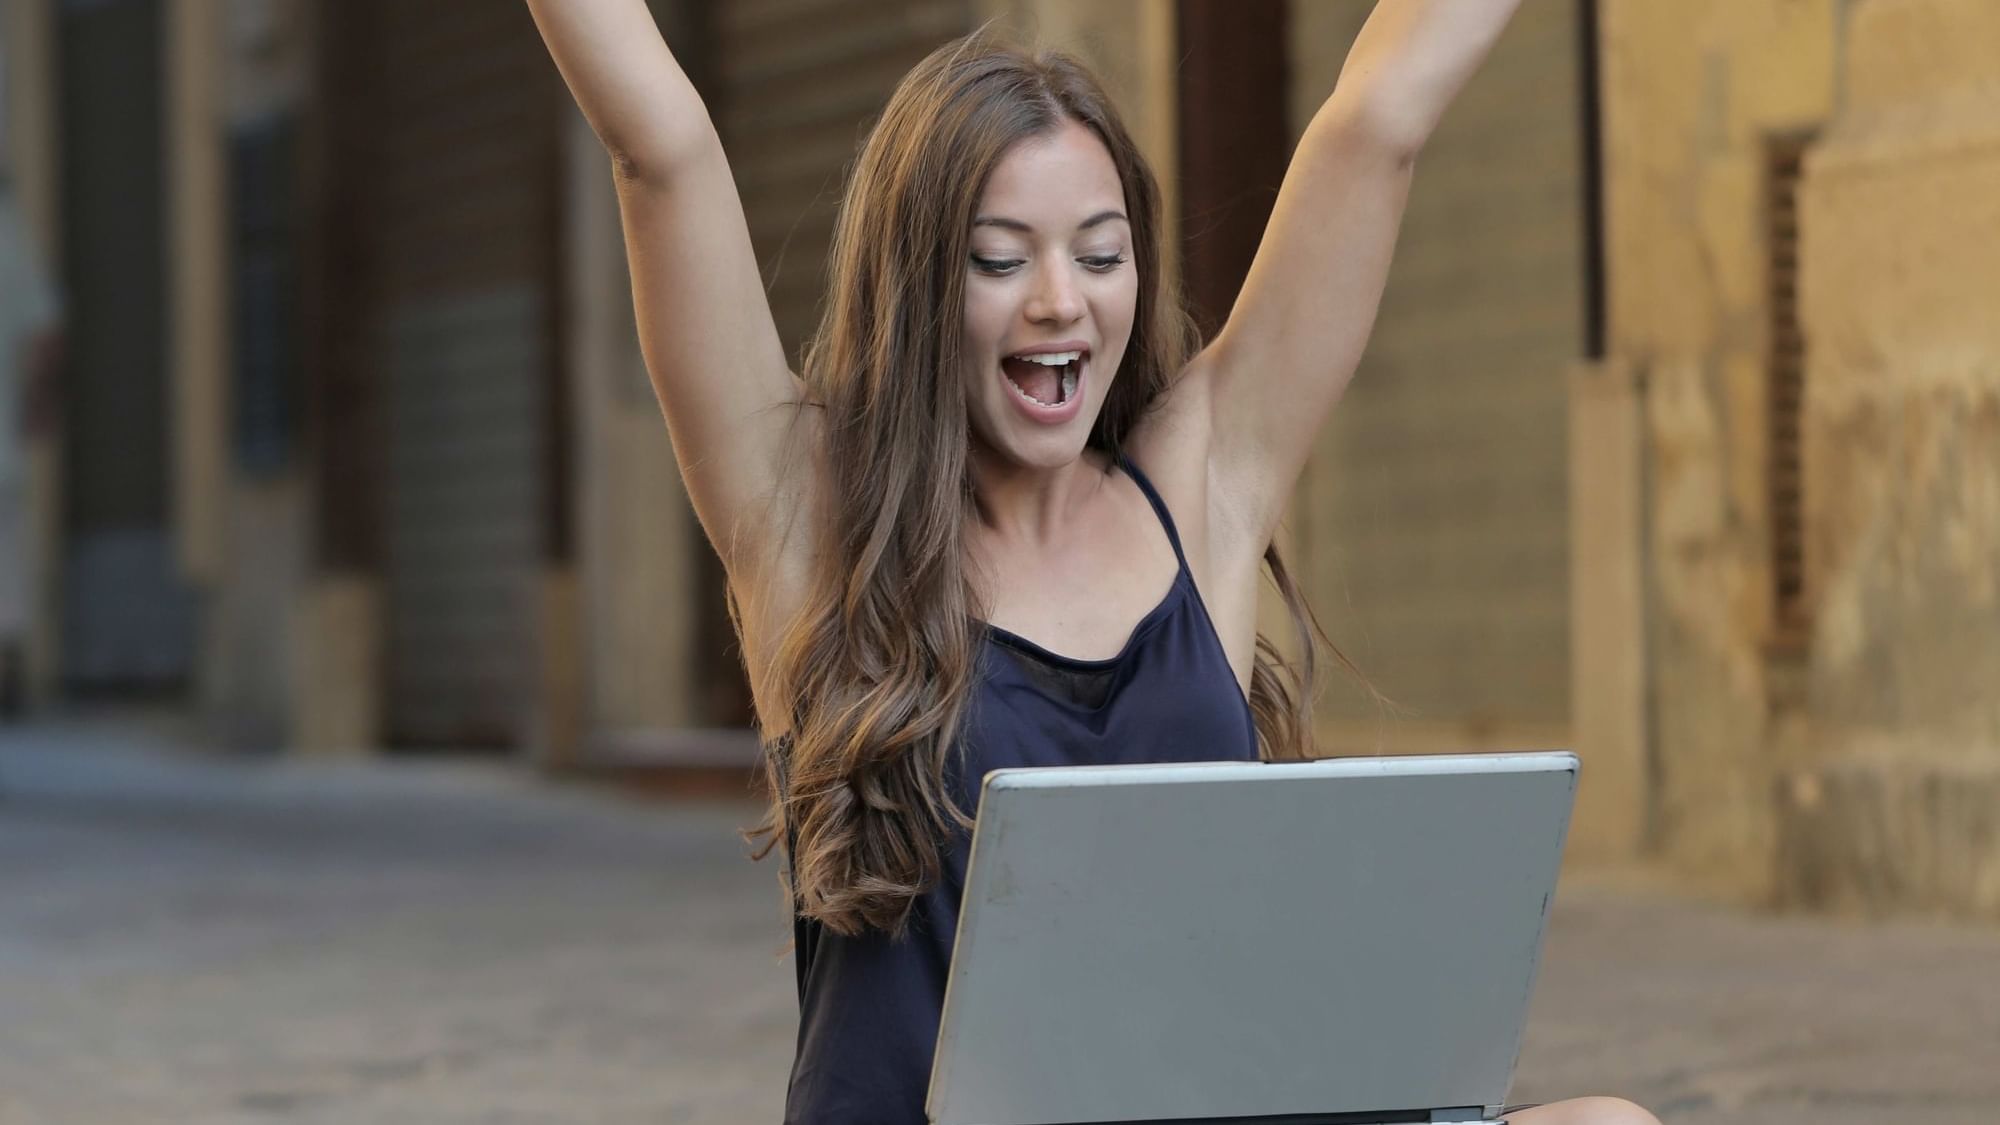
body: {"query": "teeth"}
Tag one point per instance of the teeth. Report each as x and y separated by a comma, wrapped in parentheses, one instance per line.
(1037, 401)
(1029, 397)
(1051, 359)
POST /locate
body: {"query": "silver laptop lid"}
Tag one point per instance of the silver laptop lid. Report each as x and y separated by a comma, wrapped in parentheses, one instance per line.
(1351, 936)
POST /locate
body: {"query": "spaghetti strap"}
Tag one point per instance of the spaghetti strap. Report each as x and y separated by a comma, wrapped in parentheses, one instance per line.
(1159, 508)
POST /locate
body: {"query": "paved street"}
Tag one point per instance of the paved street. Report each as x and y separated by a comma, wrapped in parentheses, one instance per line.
(192, 939)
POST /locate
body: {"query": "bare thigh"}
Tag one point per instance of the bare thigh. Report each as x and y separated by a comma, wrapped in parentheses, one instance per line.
(1584, 1111)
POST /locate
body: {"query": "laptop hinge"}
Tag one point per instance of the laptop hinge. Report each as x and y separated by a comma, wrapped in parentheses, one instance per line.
(1460, 1113)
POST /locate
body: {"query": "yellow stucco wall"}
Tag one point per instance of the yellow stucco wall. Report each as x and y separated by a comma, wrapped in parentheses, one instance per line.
(1867, 774)
(1894, 800)
(1689, 91)
(1901, 229)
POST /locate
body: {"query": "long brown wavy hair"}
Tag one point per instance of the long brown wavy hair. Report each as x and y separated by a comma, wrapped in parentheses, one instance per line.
(877, 667)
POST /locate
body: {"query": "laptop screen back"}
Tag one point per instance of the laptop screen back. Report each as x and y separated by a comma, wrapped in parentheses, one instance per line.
(1237, 940)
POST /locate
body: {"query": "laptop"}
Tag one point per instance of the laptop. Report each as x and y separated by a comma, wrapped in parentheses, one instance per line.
(1341, 942)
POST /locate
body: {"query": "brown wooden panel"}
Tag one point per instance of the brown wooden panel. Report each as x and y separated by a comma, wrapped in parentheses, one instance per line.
(1234, 143)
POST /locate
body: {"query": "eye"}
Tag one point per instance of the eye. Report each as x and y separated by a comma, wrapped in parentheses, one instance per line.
(1105, 263)
(998, 267)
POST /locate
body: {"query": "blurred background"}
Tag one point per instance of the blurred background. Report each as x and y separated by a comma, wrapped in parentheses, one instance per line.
(326, 448)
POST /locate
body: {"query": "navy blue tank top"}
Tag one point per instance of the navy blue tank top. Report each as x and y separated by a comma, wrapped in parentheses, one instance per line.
(869, 1005)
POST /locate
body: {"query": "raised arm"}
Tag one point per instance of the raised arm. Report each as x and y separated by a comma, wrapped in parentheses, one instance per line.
(1297, 330)
(705, 325)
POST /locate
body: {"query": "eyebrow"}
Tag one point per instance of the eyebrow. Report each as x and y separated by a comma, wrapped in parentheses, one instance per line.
(1016, 224)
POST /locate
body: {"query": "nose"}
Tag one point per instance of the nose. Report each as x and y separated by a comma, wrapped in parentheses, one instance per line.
(1055, 298)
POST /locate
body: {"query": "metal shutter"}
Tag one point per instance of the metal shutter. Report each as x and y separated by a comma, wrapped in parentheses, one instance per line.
(798, 82)
(128, 617)
(451, 179)
(1439, 514)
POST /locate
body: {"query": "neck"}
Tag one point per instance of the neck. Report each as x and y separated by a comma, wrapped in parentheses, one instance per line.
(1023, 505)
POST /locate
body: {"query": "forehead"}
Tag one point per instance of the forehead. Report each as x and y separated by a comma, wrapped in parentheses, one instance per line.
(1054, 180)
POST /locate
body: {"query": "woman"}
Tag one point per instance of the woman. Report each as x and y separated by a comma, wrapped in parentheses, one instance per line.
(1001, 431)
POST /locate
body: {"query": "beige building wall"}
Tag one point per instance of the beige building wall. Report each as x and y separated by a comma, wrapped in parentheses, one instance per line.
(1433, 518)
(1892, 796)
(244, 539)
(195, 66)
(27, 31)
(32, 125)
(636, 533)
(1690, 93)
(1863, 769)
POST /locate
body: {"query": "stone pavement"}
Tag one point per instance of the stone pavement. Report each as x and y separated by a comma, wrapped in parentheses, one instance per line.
(193, 939)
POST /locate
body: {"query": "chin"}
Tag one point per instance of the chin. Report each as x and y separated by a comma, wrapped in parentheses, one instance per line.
(1047, 450)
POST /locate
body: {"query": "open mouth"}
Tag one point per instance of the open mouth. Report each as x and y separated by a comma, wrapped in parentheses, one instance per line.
(1048, 379)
